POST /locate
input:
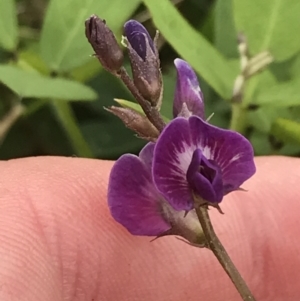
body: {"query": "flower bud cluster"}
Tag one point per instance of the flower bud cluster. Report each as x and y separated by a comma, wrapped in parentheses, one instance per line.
(142, 51)
(146, 85)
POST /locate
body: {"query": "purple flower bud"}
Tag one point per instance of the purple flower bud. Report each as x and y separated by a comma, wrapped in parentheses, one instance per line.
(144, 61)
(104, 43)
(136, 122)
(135, 202)
(138, 37)
(188, 95)
(194, 158)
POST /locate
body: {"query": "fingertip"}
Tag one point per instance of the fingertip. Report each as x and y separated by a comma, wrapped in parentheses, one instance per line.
(51, 227)
(59, 206)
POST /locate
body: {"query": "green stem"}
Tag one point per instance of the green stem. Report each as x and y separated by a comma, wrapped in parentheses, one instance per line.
(35, 106)
(214, 244)
(238, 120)
(9, 120)
(68, 120)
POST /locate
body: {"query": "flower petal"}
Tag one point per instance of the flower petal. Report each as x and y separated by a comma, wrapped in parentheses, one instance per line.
(205, 178)
(230, 150)
(172, 156)
(137, 36)
(188, 95)
(146, 154)
(133, 199)
(184, 225)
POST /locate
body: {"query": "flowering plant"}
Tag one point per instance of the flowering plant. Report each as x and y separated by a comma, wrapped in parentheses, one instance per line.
(187, 166)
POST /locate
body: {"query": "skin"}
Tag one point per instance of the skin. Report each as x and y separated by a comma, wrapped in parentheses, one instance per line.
(59, 242)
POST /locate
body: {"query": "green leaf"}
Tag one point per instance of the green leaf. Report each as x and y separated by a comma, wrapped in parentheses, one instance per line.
(67, 118)
(286, 130)
(289, 149)
(262, 118)
(30, 59)
(225, 32)
(63, 43)
(109, 138)
(257, 84)
(260, 143)
(192, 46)
(272, 25)
(8, 25)
(134, 106)
(87, 71)
(129, 104)
(295, 66)
(281, 95)
(33, 84)
(169, 80)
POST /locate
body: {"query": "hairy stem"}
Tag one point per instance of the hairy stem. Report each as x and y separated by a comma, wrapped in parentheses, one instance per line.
(217, 248)
(151, 112)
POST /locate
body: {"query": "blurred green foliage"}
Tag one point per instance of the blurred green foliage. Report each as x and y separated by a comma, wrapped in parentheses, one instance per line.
(52, 91)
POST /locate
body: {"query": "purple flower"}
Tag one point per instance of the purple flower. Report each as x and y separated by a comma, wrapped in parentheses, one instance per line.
(195, 159)
(135, 202)
(188, 95)
(191, 163)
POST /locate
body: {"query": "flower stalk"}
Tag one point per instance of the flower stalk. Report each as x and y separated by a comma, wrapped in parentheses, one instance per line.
(238, 121)
(215, 245)
(150, 111)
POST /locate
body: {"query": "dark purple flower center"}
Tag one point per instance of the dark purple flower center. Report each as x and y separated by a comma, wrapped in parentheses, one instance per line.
(205, 178)
(206, 171)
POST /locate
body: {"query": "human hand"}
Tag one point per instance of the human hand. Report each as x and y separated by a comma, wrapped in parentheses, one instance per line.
(59, 242)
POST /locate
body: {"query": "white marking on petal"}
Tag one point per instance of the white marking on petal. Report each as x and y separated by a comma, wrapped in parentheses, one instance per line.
(184, 111)
(206, 150)
(181, 162)
(184, 158)
(236, 157)
(195, 88)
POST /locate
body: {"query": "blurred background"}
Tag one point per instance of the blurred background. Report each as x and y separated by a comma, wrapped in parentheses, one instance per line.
(52, 92)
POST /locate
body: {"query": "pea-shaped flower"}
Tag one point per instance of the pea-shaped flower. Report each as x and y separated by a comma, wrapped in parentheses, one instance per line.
(135, 202)
(193, 158)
